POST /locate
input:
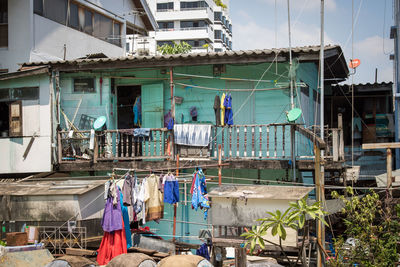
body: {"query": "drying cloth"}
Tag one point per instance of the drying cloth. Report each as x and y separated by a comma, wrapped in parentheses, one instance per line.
(171, 192)
(228, 110)
(203, 251)
(137, 112)
(199, 193)
(142, 134)
(125, 217)
(127, 190)
(222, 110)
(112, 245)
(153, 199)
(192, 134)
(169, 121)
(217, 110)
(112, 217)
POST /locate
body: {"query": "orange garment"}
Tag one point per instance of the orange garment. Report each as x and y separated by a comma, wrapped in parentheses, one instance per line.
(112, 245)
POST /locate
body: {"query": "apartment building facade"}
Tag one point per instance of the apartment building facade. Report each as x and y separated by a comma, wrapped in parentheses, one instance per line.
(37, 30)
(202, 24)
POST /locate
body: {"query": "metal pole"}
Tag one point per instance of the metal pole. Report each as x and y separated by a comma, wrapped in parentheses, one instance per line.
(290, 58)
(321, 197)
(389, 171)
(219, 165)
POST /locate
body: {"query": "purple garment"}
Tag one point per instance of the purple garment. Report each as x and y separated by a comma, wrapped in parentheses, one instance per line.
(112, 217)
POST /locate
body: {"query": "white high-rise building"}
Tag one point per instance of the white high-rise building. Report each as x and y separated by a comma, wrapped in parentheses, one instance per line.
(202, 24)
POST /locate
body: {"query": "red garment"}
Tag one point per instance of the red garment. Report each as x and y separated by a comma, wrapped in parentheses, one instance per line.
(112, 245)
(193, 183)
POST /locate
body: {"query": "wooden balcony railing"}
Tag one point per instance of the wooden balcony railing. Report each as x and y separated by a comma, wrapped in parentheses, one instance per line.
(261, 142)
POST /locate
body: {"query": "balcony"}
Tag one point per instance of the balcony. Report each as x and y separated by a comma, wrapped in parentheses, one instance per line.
(270, 146)
(184, 33)
(203, 13)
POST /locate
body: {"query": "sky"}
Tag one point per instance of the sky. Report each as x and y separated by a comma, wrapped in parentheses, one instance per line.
(255, 26)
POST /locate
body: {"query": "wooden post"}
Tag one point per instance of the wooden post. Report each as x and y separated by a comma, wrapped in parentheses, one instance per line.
(341, 138)
(389, 171)
(319, 198)
(240, 257)
(59, 147)
(177, 175)
(219, 165)
(96, 149)
(335, 145)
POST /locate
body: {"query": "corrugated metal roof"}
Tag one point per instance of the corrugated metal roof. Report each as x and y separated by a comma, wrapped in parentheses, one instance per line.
(260, 192)
(47, 188)
(204, 55)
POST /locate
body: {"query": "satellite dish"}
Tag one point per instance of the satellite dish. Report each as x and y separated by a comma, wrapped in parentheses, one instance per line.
(354, 63)
(100, 123)
(293, 114)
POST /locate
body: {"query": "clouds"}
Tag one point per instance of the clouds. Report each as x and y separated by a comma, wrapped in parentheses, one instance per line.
(370, 52)
(308, 5)
(251, 35)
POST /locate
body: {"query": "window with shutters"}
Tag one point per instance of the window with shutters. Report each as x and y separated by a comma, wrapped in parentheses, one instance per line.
(3, 23)
(15, 118)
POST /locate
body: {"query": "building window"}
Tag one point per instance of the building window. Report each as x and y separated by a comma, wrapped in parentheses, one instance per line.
(73, 20)
(84, 85)
(88, 22)
(194, 24)
(217, 34)
(194, 5)
(165, 6)
(11, 109)
(161, 43)
(218, 50)
(217, 16)
(166, 24)
(3, 23)
(80, 18)
(196, 43)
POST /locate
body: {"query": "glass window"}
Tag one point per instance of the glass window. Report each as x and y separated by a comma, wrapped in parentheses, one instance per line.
(88, 27)
(217, 34)
(56, 10)
(197, 4)
(25, 93)
(103, 27)
(217, 16)
(218, 49)
(4, 94)
(117, 34)
(38, 7)
(161, 43)
(3, 23)
(84, 85)
(165, 6)
(166, 24)
(193, 24)
(73, 16)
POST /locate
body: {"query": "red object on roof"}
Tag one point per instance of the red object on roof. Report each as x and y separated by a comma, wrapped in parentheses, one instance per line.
(354, 63)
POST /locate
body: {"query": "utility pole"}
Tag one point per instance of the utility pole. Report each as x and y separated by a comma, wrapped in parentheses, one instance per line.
(290, 59)
(321, 176)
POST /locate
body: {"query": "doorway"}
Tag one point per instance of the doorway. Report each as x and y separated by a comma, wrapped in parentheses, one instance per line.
(126, 99)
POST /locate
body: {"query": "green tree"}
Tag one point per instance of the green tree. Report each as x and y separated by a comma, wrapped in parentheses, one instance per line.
(220, 3)
(294, 217)
(176, 48)
(374, 228)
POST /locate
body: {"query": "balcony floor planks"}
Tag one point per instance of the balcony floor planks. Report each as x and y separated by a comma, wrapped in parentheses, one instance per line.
(302, 165)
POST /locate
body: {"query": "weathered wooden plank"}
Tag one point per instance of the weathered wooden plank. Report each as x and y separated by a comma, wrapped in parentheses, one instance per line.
(335, 144)
(310, 135)
(80, 252)
(302, 165)
(380, 145)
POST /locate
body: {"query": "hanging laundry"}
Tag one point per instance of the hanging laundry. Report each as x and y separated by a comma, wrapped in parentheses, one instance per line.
(137, 112)
(114, 240)
(140, 205)
(112, 217)
(193, 113)
(127, 190)
(192, 134)
(153, 199)
(125, 218)
(222, 110)
(228, 110)
(203, 251)
(217, 110)
(142, 134)
(171, 189)
(199, 192)
(169, 121)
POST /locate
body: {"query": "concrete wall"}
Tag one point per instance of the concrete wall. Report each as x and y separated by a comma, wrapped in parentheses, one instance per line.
(36, 118)
(50, 37)
(20, 34)
(91, 104)
(241, 212)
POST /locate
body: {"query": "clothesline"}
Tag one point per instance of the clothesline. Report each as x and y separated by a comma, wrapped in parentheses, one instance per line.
(222, 78)
(237, 90)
